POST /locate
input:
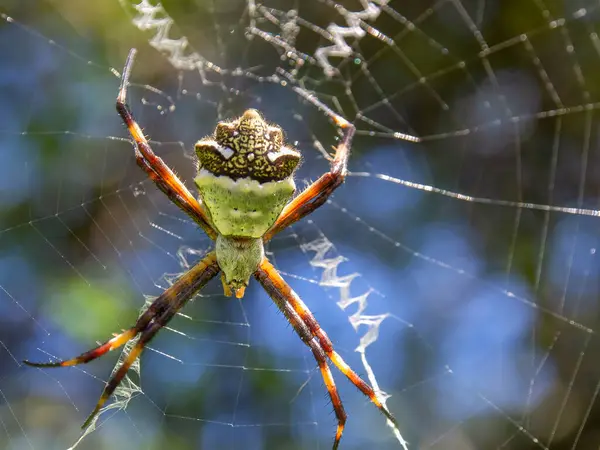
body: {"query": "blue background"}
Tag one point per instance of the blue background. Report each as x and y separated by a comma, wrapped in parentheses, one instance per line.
(489, 336)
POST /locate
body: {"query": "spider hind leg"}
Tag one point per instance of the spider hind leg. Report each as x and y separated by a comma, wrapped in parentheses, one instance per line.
(309, 330)
(92, 354)
(158, 314)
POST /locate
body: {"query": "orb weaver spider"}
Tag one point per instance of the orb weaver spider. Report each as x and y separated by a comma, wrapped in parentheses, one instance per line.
(245, 181)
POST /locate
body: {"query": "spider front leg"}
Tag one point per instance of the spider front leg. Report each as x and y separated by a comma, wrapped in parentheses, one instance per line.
(158, 314)
(318, 192)
(154, 166)
(311, 333)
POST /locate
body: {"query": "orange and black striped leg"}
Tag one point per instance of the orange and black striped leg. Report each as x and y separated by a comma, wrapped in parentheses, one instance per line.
(321, 358)
(303, 331)
(318, 192)
(115, 380)
(282, 293)
(153, 165)
(148, 324)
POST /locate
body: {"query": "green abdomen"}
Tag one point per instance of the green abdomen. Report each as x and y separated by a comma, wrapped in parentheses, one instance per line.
(244, 207)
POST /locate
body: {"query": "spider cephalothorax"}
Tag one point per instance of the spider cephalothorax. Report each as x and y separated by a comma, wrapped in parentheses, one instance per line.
(245, 181)
(245, 178)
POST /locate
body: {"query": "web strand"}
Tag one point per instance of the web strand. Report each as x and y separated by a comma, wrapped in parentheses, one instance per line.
(456, 269)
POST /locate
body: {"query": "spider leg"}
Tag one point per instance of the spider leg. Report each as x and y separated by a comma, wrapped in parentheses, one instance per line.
(307, 337)
(318, 192)
(154, 166)
(114, 381)
(94, 353)
(294, 309)
(148, 324)
(321, 358)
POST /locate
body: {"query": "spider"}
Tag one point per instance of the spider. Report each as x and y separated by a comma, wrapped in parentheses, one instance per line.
(245, 181)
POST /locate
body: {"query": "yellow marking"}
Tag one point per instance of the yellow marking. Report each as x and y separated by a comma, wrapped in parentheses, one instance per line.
(329, 382)
(338, 433)
(239, 293)
(115, 342)
(340, 363)
(340, 121)
(136, 131)
(356, 380)
(135, 352)
(226, 288)
(122, 339)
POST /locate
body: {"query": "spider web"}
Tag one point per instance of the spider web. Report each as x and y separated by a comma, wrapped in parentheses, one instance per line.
(456, 268)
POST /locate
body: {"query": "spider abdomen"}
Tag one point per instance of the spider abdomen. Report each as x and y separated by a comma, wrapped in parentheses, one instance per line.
(245, 175)
(238, 259)
(243, 207)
